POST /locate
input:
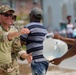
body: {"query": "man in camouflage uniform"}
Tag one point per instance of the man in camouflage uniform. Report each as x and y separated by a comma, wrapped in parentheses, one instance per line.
(14, 53)
(9, 40)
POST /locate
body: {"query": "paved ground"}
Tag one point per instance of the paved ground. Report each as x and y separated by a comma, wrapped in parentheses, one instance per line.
(68, 67)
(53, 70)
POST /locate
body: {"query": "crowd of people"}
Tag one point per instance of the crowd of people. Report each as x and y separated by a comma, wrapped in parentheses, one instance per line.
(68, 29)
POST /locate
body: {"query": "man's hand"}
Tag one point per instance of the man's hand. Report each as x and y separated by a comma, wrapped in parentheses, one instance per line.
(57, 36)
(24, 31)
(28, 57)
(56, 61)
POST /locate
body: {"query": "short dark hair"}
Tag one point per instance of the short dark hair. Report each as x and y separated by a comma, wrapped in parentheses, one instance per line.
(69, 16)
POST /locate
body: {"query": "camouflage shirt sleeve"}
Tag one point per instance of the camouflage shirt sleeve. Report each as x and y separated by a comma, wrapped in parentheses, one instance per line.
(16, 45)
(17, 48)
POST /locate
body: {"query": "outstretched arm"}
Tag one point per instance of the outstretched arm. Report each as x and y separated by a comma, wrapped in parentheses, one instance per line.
(12, 35)
(67, 40)
(71, 52)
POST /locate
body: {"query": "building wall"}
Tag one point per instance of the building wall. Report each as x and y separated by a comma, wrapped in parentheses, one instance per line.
(58, 10)
(55, 11)
(21, 5)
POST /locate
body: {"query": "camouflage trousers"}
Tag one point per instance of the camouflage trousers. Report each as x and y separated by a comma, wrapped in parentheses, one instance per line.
(17, 70)
(9, 70)
(11, 73)
(14, 72)
(16, 66)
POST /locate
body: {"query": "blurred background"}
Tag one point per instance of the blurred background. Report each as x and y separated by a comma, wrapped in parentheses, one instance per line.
(55, 11)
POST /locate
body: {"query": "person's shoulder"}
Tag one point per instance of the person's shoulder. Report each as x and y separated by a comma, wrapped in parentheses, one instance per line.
(27, 25)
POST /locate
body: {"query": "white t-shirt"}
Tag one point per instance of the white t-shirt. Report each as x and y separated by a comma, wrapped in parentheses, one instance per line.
(70, 28)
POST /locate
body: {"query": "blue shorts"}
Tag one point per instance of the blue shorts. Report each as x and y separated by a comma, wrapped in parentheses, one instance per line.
(39, 68)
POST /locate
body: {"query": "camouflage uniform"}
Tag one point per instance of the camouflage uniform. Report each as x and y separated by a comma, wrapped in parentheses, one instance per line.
(7, 64)
(16, 47)
(15, 63)
(8, 59)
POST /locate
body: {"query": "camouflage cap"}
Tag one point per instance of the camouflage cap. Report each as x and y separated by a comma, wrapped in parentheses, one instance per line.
(5, 8)
(37, 12)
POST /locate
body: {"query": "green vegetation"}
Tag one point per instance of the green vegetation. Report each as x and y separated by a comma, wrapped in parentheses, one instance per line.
(24, 47)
